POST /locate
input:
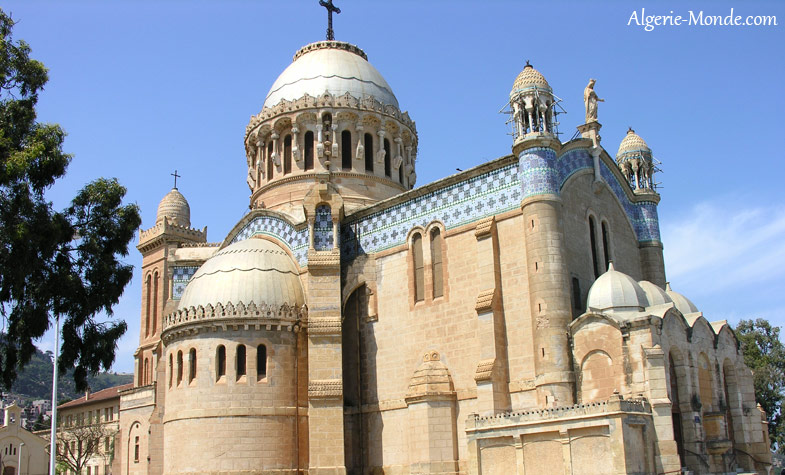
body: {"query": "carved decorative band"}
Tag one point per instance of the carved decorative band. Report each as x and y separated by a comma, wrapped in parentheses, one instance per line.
(484, 370)
(324, 259)
(484, 227)
(485, 301)
(325, 326)
(325, 389)
(283, 314)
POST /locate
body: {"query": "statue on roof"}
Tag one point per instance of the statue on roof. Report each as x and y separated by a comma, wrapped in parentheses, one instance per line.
(590, 100)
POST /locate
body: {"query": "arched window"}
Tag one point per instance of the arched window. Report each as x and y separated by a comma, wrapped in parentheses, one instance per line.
(146, 377)
(136, 449)
(171, 369)
(368, 152)
(192, 365)
(419, 268)
(705, 383)
(606, 244)
(155, 302)
(436, 263)
(149, 295)
(287, 155)
(346, 150)
(239, 364)
(220, 362)
(261, 362)
(593, 241)
(387, 159)
(308, 150)
(269, 160)
(179, 367)
(400, 173)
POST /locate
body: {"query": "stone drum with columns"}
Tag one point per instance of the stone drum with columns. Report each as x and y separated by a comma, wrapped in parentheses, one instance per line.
(511, 318)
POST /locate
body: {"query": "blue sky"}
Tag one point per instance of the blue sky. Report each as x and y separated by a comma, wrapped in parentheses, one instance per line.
(147, 87)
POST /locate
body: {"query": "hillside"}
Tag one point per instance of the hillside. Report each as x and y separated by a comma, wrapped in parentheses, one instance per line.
(35, 381)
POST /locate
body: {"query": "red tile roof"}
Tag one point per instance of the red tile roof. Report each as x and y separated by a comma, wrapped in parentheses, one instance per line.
(108, 393)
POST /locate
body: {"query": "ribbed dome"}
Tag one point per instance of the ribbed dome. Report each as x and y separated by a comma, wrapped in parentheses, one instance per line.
(654, 294)
(330, 66)
(529, 79)
(614, 290)
(683, 304)
(253, 270)
(175, 207)
(632, 143)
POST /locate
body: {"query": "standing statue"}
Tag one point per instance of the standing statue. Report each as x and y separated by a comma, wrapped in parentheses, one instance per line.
(590, 99)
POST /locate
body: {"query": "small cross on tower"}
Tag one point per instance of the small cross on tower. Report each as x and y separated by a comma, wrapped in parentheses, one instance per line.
(176, 176)
(328, 4)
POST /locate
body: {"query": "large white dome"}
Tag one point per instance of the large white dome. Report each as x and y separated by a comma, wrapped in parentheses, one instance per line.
(330, 66)
(253, 270)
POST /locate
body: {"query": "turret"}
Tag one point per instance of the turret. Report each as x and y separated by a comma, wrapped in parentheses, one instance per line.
(536, 145)
(635, 161)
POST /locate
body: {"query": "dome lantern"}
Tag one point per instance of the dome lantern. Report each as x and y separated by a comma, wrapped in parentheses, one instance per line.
(531, 103)
(635, 161)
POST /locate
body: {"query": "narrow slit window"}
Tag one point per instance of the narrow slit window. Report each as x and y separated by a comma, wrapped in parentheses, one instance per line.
(606, 244)
(220, 362)
(192, 365)
(346, 150)
(308, 152)
(155, 302)
(179, 367)
(269, 161)
(419, 269)
(148, 300)
(387, 159)
(240, 363)
(436, 263)
(593, 242)
(368, 152)
(287, 155)
(261, 362)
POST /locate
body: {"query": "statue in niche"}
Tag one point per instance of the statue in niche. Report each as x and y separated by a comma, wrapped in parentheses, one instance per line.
(590, 100)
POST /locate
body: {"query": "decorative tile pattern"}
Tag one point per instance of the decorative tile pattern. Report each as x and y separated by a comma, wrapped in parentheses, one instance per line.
(643, 215)
(180, 278)
(323, 229)
(279, 229)
(538, 172)
(484, 195)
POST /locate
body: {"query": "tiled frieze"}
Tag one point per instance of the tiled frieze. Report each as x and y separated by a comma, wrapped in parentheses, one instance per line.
(180, 277)
(297, 241)
(478, 197)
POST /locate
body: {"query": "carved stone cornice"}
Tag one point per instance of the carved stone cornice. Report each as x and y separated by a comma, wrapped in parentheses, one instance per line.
(485, 227)
(485, 301)
(283, 316)
(324, 326)
(151, 238)
(484, 370)
(324, 259)
(325, 389)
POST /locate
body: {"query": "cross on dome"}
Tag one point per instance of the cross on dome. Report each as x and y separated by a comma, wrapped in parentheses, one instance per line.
(328, 4)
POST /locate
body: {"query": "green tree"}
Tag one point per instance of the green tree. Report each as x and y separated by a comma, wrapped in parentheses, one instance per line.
(764, 353)
(53, 263)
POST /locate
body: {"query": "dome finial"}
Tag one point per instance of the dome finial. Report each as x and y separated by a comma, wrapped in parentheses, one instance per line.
(610, 266)
(328, 4)
(176, 176)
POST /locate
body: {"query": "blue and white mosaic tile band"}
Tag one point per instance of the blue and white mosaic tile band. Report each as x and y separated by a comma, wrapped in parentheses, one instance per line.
(538, 172)
(281, 230)
(180, 278)
(323, 229)
(484, 195)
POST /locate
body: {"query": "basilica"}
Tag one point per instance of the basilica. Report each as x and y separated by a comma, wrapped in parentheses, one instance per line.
(513, 318)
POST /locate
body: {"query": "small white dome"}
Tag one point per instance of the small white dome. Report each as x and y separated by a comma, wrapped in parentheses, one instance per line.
(654, 294)
(615, 290)
(683, 304)
(253, 270)
(330, 66)
(632, 145)
(175, 207)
